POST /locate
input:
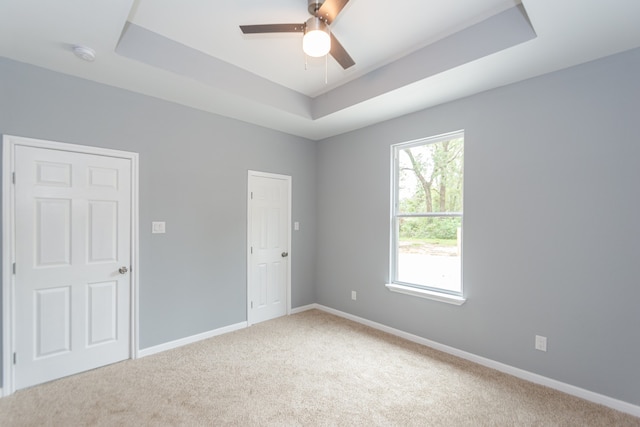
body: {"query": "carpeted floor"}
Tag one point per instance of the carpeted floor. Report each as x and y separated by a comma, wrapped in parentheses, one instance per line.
(310, 369)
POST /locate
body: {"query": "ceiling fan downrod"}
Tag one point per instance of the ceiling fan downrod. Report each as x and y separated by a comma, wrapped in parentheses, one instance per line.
(314, 6)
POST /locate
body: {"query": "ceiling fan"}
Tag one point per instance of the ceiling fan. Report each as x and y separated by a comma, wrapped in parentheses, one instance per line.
(318, 40)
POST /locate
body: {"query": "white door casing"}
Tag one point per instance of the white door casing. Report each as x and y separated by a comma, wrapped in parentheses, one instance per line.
(269, 243)
(73, 227)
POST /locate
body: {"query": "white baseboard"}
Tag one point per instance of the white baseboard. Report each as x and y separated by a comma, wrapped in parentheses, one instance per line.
(203, 336)
(189, 340)
(303, 308)
(591, 396)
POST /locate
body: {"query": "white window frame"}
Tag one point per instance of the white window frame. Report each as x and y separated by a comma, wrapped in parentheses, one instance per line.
(432, 293)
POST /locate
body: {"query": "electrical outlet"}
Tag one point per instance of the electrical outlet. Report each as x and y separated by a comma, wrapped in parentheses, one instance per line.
(541, 343)
(353, 295)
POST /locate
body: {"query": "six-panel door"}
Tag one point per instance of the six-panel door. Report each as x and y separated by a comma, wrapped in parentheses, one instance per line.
(269, 235)
(73, 231)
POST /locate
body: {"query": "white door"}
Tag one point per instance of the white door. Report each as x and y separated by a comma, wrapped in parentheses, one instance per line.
(72, 236)
(269, 243)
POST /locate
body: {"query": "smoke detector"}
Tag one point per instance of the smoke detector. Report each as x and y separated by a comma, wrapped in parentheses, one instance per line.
(84, 53)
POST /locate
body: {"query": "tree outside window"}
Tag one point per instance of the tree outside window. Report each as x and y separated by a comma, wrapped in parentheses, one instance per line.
(427, 213)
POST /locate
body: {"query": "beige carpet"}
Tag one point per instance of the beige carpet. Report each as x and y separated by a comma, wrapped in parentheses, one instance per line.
(311, 368)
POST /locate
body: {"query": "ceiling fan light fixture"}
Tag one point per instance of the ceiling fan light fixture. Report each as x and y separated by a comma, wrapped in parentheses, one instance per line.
(316, 40)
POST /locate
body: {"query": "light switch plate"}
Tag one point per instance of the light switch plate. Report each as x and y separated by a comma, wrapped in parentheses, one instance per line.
(158, 227)
(296, 226)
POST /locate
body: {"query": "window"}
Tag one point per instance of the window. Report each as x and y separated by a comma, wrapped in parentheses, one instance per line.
(426, 210)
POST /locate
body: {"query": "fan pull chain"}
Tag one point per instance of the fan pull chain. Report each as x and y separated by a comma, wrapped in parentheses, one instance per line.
(326, 69)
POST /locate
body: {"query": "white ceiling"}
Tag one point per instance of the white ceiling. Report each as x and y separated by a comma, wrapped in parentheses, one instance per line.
(409, 54)
(213, 29)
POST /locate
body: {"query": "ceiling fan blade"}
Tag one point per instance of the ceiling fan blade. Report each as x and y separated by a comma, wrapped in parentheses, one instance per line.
(272, 28)
(340, 54)
(330, 9)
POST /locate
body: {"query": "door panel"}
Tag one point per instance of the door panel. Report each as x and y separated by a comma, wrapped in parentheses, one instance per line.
(53, 232)
(103, 177)
(102, 312)
(72, 234)
(53, 321)
(103, 231)
(276, 277)
(53, 174)
(269, 239)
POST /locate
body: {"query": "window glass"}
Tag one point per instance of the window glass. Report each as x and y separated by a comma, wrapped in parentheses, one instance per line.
(427, 213)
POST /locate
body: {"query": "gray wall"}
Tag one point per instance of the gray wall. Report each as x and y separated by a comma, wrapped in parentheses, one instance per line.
(552, 236)
(193, 175)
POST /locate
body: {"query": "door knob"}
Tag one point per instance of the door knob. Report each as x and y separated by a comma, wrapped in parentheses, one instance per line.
(285, 254)
(123, 270)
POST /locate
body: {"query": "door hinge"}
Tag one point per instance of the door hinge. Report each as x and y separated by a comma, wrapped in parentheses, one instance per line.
(13, 177)
(252, 195)
(251, 307)
(14, 268)
(15, 358)
(251, 249)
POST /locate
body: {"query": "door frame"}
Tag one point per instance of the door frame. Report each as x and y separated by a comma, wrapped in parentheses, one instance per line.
(251, 174)
(9, 143)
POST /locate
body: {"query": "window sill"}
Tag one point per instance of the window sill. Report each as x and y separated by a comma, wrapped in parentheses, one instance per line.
(423, 293)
